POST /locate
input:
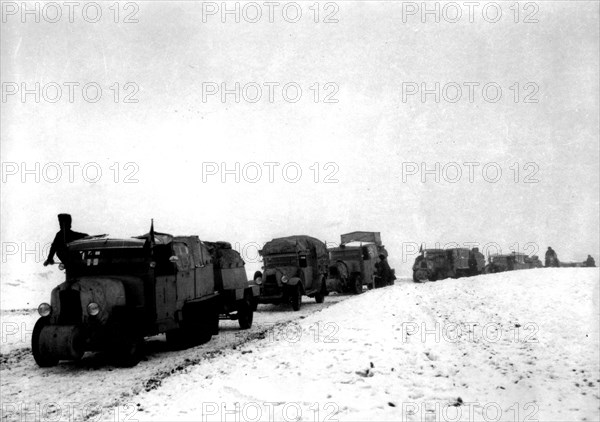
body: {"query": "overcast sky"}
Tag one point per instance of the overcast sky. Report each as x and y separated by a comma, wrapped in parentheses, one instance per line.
(367, 129)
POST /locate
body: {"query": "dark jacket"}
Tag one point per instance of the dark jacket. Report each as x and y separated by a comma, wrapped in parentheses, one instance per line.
(59, 244)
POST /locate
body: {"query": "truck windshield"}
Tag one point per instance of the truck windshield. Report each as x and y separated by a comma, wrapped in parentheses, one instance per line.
(105, 261)
(281, 260)
(354, 253)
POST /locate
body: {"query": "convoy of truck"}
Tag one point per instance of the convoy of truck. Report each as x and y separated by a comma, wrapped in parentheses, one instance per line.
(117, 291)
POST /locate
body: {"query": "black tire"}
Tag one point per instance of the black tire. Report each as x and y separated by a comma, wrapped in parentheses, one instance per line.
(201, 331)
(357, 285)
(370, 286)
(296, 298)
(175, 338)
(127, 343)
(199, 324)
(42, 360)
(245, 313)
(127, 351)
(320, 295)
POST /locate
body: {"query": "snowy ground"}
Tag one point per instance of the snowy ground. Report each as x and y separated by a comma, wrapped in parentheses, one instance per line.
(516, 346)
(96, 389)
(513, 346)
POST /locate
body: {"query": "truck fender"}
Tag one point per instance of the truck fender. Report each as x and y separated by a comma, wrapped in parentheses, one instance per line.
(239, 294)
(294, 280)
(253, 291)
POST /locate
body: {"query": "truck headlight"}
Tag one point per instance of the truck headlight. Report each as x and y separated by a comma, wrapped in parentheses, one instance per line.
(284, 279)
(258, 280)
(44, 309)
(93, 308)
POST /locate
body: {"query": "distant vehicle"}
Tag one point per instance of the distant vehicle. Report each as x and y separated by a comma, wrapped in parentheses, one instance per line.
(510, 262)
(118, 291)
(293, 266)
(534, 261)
(351, 267)
(438, 264)
(572, 264)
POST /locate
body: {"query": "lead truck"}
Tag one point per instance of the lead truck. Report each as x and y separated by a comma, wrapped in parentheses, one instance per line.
(118, 291)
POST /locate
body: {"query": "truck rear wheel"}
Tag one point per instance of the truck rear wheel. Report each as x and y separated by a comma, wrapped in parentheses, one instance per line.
(320, 295)
(245, 313)
(42, 359)
(357, 284)
(201, 331)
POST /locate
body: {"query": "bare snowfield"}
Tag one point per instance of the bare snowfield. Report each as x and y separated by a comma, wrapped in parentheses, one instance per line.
(512, 346)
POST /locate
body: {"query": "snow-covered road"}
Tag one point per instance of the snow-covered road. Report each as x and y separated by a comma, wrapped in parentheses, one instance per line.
(93, 389)
(513, 346)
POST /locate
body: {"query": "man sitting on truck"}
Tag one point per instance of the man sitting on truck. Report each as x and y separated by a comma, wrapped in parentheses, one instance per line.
(64, 236)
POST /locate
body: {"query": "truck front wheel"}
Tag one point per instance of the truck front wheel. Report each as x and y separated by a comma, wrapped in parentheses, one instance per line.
(320, 295)
(128, 342)
(296, 298)
(42, 359)
(128, 351)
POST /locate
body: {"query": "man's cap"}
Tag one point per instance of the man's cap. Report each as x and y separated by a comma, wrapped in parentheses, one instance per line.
(64, 217)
